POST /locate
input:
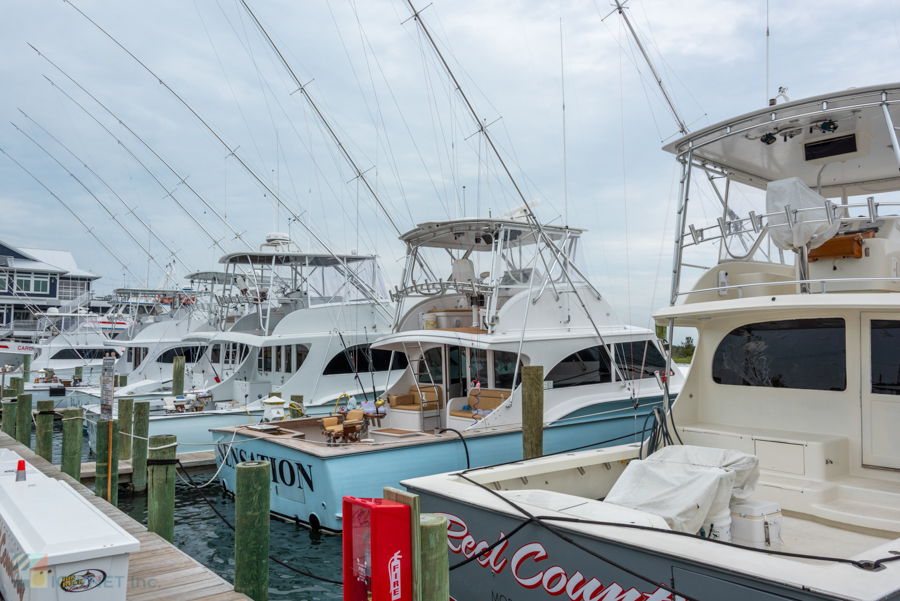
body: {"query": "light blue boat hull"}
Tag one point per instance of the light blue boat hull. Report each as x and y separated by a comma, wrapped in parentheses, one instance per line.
(309, 488)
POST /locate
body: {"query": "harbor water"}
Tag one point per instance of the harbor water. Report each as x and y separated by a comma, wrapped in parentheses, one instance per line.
(200, 533)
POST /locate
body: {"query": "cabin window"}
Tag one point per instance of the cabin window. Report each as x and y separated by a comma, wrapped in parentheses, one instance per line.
(84, 353)
(478, 366)
(191, 354)
(430, 368)
(587, 366)
(288, 366)
(215, 354)
(302, 352)
(278, 365)
(639, 359)
(504, 368)
(806, 354)
(348, 361)
(267, 359)
(129, 355)
(885, 357)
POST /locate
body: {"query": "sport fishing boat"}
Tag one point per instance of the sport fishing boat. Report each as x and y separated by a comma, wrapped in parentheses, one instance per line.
(775, 473)
(510, 294)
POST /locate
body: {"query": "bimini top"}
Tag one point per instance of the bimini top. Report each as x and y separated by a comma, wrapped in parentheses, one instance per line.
(846, 133)
(479, 234)
(214, 277)
(257, 257)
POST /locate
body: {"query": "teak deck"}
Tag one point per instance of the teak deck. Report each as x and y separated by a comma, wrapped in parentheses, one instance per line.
(159, 571)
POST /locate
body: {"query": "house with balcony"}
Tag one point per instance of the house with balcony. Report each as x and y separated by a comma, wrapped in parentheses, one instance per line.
(33, 280)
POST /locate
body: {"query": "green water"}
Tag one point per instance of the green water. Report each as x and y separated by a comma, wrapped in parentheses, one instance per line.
(205, 537)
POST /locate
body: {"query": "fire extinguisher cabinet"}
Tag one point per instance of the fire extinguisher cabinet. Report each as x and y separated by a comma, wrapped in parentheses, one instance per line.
(377, 562)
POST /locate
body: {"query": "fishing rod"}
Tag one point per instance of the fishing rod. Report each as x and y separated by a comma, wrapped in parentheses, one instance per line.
(362, 286)
(169, 193)
(88, 190)
(131, 210)
(343, 149)
(74, 214)
(182, 179)
(529, 212)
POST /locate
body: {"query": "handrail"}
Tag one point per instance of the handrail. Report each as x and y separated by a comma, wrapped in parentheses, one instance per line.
(788, 283)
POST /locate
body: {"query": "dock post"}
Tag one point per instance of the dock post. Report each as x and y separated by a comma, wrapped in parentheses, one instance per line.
(115, 380)
(43, 430)
(23, 419)
(141, 428)
(251, 529)
(26, 368)
(276, 394)
(17, 386)
(126, 407)
(73, 420)
(532, 411)
(296, 406)
(79, 373)
(178, 376)
(161, 485)
(434, 577)
(123, 380)
(106, 481)
(9, 417)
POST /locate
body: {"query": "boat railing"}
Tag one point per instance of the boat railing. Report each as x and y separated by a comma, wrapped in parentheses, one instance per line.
(762, 222)
(438, 288)
(822, 283)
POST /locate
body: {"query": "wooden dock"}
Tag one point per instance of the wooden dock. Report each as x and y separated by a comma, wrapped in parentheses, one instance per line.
(195, 463)
(159, 571)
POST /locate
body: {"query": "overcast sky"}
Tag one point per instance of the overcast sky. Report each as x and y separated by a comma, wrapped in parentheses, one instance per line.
(378, 83)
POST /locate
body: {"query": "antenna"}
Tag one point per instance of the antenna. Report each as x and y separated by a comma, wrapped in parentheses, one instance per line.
(562, 70)
(767, 52)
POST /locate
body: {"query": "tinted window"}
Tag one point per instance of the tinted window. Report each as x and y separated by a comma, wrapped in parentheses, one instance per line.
(430, 369)
(504, 368)
(639, 359)
(348, 361)
(191, 354)
(84, 353)
(587, 366)
(885, 357)
(807, 354)
(382, 358)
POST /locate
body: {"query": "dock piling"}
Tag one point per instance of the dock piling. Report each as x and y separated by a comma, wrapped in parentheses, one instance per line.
(43, 430)
(123, 380)
(126, 408)
(141, 428)
(17, 385)
(72, 440)
(161, 486)
(9, 417)
(23, 419)
(26, 368)
(532, 411)
(434, 577)
(251, 534)
(106, 484)
(178, 376)
(79, 373)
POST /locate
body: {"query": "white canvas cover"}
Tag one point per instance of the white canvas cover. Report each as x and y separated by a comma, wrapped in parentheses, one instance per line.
(794, 193)
(685, 484)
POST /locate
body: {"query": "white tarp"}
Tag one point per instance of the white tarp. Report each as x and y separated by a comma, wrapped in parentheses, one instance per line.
(794, 193)
(686, 484)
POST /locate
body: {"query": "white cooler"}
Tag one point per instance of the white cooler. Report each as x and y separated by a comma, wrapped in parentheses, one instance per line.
(54, 544)
(757, 524)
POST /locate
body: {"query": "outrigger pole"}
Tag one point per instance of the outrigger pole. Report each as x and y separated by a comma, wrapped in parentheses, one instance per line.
(362, 286)
(527, 207)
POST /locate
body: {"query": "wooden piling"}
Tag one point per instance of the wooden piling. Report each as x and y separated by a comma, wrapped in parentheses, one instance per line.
(251, 524)
(161, 486)
(141, 429)
(434, 577)
(106, 484)
(275, 394)
(532, 411)
(9, 417)
(79, 373)
(296, 406)
(72, 442)
(178, 376)
(26, 368)
(23, 419)
(126, 407)
(43, 430)
(17, 385)
(123, 380)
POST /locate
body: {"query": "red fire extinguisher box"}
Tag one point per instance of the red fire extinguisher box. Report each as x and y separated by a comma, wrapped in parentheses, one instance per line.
(377, 549)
